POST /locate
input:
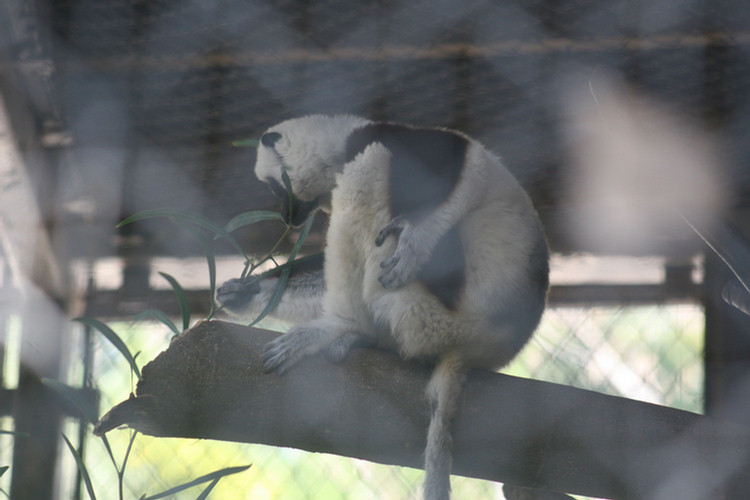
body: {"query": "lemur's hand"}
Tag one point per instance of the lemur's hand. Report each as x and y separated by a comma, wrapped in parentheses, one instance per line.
(411, 252)
(236, 293)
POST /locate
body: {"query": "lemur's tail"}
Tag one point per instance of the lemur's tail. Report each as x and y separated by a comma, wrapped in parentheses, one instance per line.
(442, 392)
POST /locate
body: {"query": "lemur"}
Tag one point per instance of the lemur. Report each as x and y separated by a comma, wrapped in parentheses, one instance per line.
(433, 250)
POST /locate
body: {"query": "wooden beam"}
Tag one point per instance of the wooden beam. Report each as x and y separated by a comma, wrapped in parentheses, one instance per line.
(115, 304)
(393, 52)
(208, 384)
(24, 240)
(35, 285)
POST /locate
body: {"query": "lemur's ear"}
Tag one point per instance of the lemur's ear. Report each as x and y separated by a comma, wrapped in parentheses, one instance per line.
(269, 139)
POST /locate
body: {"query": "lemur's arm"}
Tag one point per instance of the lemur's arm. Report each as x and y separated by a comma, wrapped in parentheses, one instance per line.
(416, 241)
(301, 301)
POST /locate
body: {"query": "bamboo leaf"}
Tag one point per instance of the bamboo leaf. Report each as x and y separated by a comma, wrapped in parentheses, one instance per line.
(113, 338)
(211, 261)
(133, 435)
(81, 468)
(73, 396)
(204, 493)
(288, 186)
(190, 218)
(291, 263)
(15, 433)
(728, 244)
(109, 451)
(158, 315)
(181, 299)
(247, 218)
(246, 143)
(208, 251)
(208, 477)
(275, 298)
(246, 269)
(302, 236)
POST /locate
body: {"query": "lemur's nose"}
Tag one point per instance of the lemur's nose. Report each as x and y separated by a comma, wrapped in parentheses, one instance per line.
(269, 139)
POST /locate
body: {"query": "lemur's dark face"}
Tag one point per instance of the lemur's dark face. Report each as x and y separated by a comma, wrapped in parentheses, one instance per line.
(294, 210)
(310, 150)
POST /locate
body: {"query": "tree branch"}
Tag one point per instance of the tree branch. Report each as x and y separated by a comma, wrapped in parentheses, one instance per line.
(209, 384)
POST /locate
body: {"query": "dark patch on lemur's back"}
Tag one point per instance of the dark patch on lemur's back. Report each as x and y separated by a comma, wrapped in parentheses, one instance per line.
(426, 165)
(444, 273)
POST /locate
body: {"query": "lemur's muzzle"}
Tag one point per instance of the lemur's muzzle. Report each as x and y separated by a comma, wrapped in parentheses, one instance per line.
(296, 211)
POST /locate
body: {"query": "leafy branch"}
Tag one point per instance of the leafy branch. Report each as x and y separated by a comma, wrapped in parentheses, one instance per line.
(205, 232)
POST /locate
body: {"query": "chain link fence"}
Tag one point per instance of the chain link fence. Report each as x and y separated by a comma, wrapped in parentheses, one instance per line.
(651, 353)
(153, 93)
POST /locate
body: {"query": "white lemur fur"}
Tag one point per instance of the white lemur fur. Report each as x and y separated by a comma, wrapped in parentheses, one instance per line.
(433, 250)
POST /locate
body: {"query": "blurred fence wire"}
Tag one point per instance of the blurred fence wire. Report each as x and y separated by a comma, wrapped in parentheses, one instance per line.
(651, 353)
(599, 108)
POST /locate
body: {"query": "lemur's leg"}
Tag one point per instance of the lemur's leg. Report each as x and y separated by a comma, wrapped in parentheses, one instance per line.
(339, 348)
(302, 299)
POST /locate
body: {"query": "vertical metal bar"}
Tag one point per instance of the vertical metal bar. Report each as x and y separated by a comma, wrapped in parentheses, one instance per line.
(36, 411)
(85, 381)
(5, 288)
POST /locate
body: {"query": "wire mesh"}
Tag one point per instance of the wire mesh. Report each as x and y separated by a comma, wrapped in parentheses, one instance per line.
(154, 92)
(651, 353)
(185, 79)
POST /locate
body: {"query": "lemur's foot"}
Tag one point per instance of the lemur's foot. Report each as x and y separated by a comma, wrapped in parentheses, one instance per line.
(285, 351)
(237, 293)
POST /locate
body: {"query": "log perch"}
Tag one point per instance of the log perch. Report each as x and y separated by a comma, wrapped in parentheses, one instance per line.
(209, 384)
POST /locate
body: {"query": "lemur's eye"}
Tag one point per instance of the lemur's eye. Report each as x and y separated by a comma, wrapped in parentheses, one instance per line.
(269, 139)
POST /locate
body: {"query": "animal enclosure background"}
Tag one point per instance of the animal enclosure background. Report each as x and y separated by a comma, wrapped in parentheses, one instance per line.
(622, 119)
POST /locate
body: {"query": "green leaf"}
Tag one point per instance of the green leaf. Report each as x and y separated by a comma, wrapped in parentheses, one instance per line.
(211, 261)
(208, 251)
(288, 186)
(247, 218)
(158, 315)
(246, 269)
(181, 299)
(286, 181)
(273, 301)
(109, 451)
(246, 143)
(113, 338)
(190, 218)
(208, 477)
(275, 298)
(290, 263)
(204, 493)
(133, 435)
(82, 468)
(728, 244)
(302, 236)
(15, 433)
(75, 398)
